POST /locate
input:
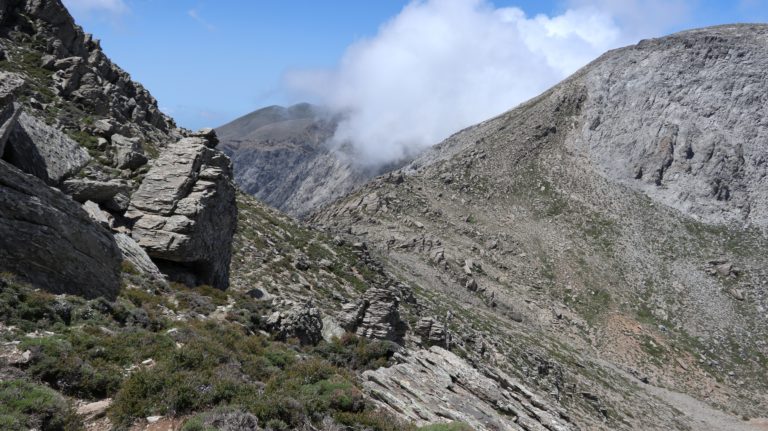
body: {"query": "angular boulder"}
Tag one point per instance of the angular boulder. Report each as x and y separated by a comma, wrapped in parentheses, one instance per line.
(128, 153)
(303, 322)
(43, 151)
(184, 213)
(375, 316)
(136, 255)
(82, 189)
(49, 240)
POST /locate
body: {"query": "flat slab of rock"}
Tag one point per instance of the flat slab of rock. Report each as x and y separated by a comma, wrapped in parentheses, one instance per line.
(185, 213)
(136, 255)
(434, 386)
(43, 151)
(49, 240)
(82, 189)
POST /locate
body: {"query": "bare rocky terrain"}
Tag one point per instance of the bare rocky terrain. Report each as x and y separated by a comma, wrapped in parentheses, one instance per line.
(616, 220)
(592, 259)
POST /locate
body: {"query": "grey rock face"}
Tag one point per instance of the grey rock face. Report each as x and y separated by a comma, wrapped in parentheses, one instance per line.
(136, 255)
(43, 151)
(8, 116)
(686, 142)
(303, 322)
(432, 332)
(49, 240)
(184, 213)
(128, 153)
(435, 385)
(680, 118)
(375, 316)
(97, 214)
(83, 190)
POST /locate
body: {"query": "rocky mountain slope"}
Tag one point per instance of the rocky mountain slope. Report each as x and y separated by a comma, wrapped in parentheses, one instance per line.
(282, 156)
(519, 276)
(139, 290)
(605, 240)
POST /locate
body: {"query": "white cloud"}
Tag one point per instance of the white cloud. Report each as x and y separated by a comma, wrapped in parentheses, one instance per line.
(111, 6)
(195, 15)
(442, 65)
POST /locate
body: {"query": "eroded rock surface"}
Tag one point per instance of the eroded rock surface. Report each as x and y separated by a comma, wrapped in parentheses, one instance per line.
(302, 322)
(184, 213)
(435, 385)
(44, 151)
(49, 240)
(375, 316)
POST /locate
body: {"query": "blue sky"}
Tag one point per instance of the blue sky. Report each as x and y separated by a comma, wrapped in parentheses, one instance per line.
(208, 62)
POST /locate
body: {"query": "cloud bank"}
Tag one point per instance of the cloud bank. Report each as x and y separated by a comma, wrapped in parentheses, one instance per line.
(442, 65)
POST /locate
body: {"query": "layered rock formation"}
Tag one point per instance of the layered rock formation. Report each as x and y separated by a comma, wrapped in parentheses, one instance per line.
(435, 385)
(375, 316)
(184, 212)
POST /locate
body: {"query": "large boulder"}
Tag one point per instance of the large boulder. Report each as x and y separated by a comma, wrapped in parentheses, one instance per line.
(44, 151)
(184, 213)
(50, 241)
(302, 322)
(128, 153)
(83, 189)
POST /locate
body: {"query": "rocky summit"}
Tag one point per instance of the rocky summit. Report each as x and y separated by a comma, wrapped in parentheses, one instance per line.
(284, 157)
(594, 258)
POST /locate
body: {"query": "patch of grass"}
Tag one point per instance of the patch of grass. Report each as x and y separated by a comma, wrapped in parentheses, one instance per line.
(591, 305)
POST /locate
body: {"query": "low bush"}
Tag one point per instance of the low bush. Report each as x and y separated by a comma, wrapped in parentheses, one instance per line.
(25, 406)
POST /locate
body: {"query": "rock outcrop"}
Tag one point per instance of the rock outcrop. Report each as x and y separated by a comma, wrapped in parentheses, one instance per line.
(50, 241)
(44, 151)
(432, 332)
(83, 189)
(80, 72)
(302, 322)
(435, 385)
(184, 212)
(375, 316)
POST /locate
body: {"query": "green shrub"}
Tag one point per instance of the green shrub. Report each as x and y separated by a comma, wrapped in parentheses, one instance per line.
(55, 362)
(375, 420)
(26, 406)
(357, 353)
